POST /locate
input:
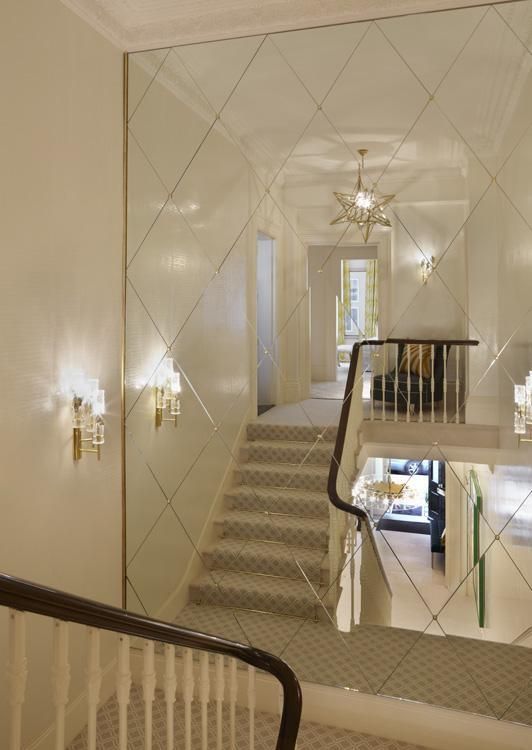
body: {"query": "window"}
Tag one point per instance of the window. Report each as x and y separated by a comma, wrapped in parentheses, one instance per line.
(353, 286)
(352, 310)
(351, 323)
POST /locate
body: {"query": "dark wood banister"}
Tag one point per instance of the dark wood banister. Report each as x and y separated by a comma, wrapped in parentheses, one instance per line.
(336, 461)
(41, 600)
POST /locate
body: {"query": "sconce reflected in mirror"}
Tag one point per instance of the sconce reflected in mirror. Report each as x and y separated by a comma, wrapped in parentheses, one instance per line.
(523, 409)
(88, 408)
(427, 267)
(167, 390)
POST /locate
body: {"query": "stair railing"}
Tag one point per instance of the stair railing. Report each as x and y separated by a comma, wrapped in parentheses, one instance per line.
(390, 385)
(418, 380)
(376, 592)
(22, 597)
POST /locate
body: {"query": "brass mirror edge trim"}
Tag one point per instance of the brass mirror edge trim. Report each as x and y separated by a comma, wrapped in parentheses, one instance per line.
(123, 329)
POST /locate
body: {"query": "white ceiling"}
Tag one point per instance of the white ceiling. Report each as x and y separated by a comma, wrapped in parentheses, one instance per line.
(144, 24)
(447, 102)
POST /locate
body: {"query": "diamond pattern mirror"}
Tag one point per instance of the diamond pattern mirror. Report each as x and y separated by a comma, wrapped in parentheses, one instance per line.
(280, 322)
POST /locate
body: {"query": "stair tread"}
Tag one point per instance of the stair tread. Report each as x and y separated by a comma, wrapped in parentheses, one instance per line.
(256, 585)
(289, 432)
(318, 470)
(261, 526)
(283, 452)
(276, 500)
(271, 492)
(295, 521)
(237, 546)
(292, 443)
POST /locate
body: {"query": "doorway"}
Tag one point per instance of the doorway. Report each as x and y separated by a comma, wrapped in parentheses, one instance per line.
(344, 310)
(265, 323)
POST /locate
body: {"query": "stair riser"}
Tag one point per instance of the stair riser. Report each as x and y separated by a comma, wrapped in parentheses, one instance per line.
(229, 597)
(296, 433)
(283, 454)
(288, 568)
(301, 507)
(296, 479)
(268, 530)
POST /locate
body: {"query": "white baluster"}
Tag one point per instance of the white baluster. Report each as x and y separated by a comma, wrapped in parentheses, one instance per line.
(396, 383)
(457, 415)
(188, 695)
(383, 383)
(219, 697)
(251, 706)
(233, 695)
(373, 357)
(445, 382)
(148, 691)
(123, 688)
(17, 675)
(60, 680)
(408, 383)
(170, 686)
(334, 552)
(94, 684)
(204, 697)
(432, 384)
(420, 415)
(352, 571)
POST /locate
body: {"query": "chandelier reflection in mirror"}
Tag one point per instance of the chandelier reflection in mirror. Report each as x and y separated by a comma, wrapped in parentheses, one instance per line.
(363, 206)
(88, 408)
(167, 391)
(379, 496)
(523, 409)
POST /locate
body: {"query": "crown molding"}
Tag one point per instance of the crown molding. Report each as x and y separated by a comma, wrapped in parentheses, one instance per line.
(134, 25)
(101, 22)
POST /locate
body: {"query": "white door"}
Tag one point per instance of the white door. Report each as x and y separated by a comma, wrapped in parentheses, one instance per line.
(265, 320)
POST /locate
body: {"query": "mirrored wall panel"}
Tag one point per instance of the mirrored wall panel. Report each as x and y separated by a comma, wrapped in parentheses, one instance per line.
(329, 347)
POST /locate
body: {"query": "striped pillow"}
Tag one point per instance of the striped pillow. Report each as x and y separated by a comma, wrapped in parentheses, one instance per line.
(422, 368)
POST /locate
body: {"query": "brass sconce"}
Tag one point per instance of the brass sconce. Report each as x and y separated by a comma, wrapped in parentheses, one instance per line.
(167, 390)
(88, 408)
(427, 267)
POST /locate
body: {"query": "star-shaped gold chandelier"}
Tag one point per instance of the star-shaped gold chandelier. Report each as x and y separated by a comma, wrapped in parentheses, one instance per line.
(363, 206)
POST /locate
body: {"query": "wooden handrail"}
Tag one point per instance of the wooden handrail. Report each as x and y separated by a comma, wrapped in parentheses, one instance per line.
(41, 600)
(435, 342)
(336, 461)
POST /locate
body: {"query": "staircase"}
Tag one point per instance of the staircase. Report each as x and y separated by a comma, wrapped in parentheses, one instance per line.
(274, 532)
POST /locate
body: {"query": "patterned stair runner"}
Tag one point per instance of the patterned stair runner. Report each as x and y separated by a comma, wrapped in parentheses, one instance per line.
(312, 736)
(272, 552)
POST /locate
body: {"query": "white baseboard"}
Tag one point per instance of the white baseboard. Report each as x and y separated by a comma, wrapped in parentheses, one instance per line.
(407, 721)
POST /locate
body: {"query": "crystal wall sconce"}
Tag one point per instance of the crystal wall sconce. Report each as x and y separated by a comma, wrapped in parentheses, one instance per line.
(167, 390)
(88, 408)
(523, 409)
(427, 267)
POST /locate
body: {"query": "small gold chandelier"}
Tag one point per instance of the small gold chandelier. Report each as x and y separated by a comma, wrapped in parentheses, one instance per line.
(363, 206)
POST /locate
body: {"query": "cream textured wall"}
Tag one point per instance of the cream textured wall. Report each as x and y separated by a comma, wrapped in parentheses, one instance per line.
(60, 307)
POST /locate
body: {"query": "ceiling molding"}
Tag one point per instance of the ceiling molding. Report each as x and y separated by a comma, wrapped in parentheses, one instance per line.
(134, 25)
(102, 23)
